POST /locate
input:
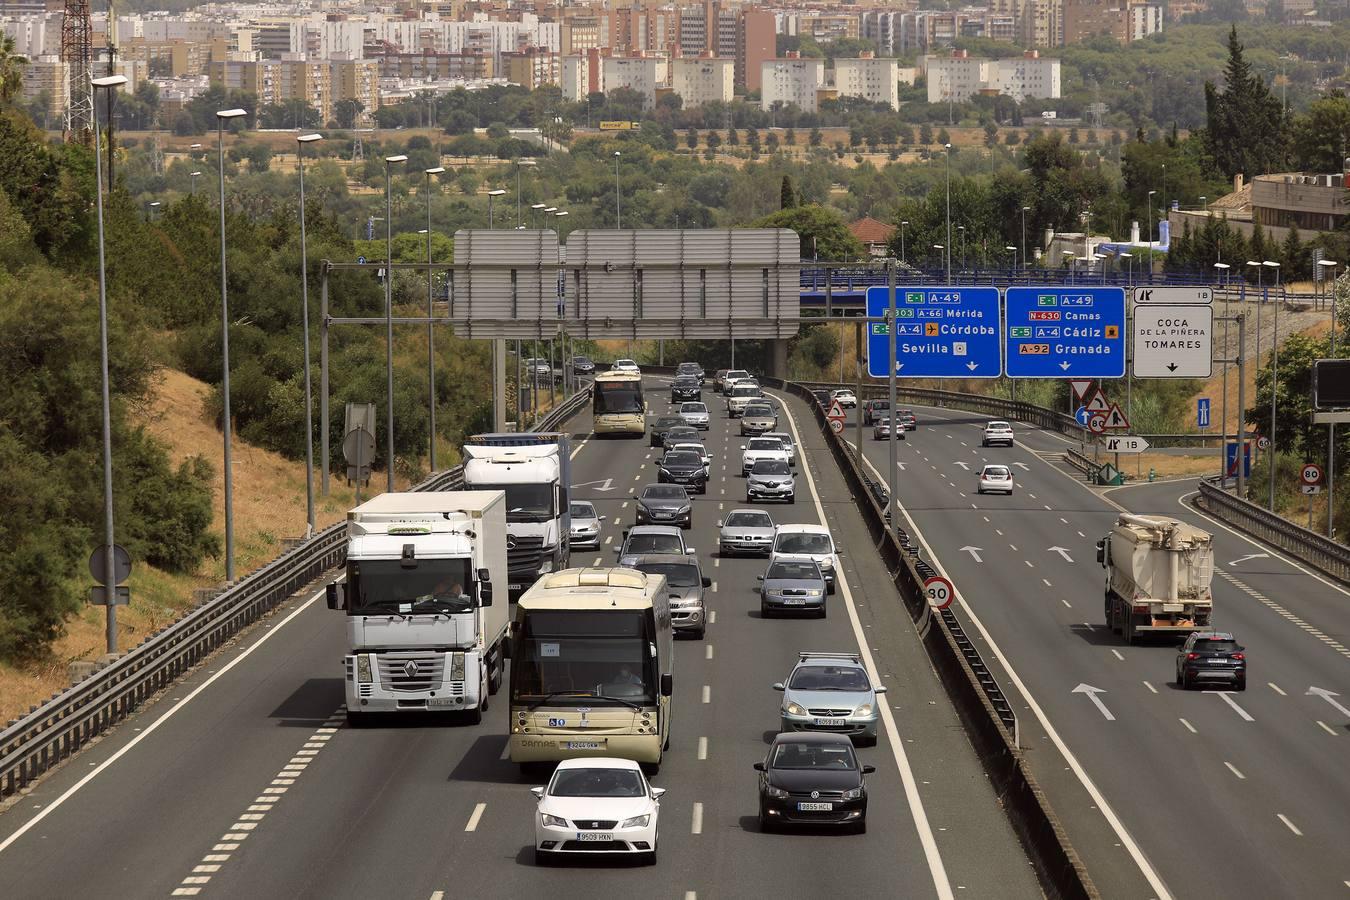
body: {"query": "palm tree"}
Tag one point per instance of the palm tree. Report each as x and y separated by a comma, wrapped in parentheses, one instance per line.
(11, 74)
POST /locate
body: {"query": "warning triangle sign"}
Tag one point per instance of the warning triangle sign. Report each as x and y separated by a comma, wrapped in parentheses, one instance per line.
(1115, 418)
(1097, 402)
(1080, 388)
(836, 411)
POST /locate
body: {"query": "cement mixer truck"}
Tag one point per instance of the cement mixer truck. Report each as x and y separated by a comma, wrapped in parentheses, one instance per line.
(1158, 573)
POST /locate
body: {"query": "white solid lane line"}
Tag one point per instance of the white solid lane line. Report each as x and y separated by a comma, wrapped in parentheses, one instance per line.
(477, 815)
(149, 729)
(1108, 812)
(937, 869)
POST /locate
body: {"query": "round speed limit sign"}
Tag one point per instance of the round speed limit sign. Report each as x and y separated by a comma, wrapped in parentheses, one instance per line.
(939, 592)
(1312, 474)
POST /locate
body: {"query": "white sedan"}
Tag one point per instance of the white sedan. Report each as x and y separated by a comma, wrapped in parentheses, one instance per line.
(846, 398)
(997, 479)
(626, 365)
(595, 805)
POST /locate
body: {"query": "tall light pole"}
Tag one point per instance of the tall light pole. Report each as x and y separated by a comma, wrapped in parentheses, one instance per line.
(1150, 235)
(1025, 210)
(1260, 289)
(559, 217)
(1329, 272)
(222, 117)
(520, 223)
(389, 313)
(948, 247)
(492, 195)
(903, 223)
(1163, 198)
(534, 213)
(618, 215)
(301, 141)
(194, 176)
(1274, 377)
(1220, 274)
(962, 229)
(109, 559)
(431, 331)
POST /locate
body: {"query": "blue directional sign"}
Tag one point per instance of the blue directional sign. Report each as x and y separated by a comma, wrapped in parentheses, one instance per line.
(360, 260)
(1082, 416)
(941, 332)
(1066, 332)
(1202, 412)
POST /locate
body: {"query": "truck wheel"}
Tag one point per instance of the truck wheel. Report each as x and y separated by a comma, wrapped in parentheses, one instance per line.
(355, 719)
(498, 674)
(473, 716)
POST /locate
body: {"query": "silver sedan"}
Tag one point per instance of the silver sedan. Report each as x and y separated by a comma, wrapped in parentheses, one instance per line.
(745, 531)
(586, 522)
(695, 414)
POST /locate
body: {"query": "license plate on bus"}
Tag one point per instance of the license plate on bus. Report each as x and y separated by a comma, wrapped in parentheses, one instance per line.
(595, 836)
(585, 745)
(829, 722)
(806, 806)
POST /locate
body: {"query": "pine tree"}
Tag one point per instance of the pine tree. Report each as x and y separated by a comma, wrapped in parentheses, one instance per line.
(1244, 125)
(1257, 245)
(787, 194)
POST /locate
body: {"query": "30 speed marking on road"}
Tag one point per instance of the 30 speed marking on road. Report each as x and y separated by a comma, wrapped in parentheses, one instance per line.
(939, 592)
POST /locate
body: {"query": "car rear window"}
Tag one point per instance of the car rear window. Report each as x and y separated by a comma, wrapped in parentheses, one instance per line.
(770, 467)
(996, 472)
(765, 444)
(1216, 646)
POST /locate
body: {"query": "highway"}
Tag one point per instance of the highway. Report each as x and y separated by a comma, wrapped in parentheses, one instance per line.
(244, 780)
(1163, 792)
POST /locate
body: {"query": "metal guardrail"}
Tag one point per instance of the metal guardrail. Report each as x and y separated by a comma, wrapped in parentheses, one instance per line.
(1312, 548)
(61, 726)
(1082, 464)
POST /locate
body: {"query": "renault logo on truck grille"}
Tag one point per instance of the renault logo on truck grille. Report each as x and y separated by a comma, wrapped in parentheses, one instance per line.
(410, 668)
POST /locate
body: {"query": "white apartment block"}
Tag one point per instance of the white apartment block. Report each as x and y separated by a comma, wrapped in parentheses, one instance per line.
(1145, 19)
(1026, 77)
(700, 81)
(643, 74)
(958, 77)
(872, 79)
(576, 75)
(791, 82)
(955, 78)
(34, 36)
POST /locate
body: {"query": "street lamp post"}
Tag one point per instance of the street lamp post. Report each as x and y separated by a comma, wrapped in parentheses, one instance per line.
(1329, 270)
(1150, 235)
(1260, 289)
(520, 223)
(948, 247)
(962, 229)
(301, 141)
(389, 314)
(618, 216)
(151, 208)
(221, 117)
(431, 332)
(492, 195)
(1220, 273)
(1025, 210)
(903, 223)
(194, 176)
(109, 576)
(534, 214)
(1274, 377)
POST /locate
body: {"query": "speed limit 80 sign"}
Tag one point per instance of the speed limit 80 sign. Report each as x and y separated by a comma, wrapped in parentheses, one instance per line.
(939, 592)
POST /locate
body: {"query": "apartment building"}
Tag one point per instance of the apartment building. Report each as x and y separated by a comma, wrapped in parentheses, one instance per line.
(1027, 76)
(47, 77)
(643, 74)
(279, 80)
(956, 77)
(356, 79)
(791, 82)
(756, 44)
(1120, 19)
(874, 80)
(700, 81)
(176, 58)
(583, 29)
(531, 68)
(959, 76)
(428, 65)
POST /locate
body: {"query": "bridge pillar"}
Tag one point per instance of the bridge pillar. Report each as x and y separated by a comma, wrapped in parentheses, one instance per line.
(499, 386)
(778, 357)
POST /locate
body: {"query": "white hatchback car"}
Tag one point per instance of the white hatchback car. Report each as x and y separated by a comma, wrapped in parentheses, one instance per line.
(847, 399)
(997, 433)
(595, 805)
(626, 365)
(996, 479)
(803, 542)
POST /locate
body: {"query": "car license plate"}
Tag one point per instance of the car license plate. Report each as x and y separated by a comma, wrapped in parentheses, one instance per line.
(595, 835)
(829, 721)
(794, 601)
(442, 702)
(1218, 662)
(805, 806)
(585, 745)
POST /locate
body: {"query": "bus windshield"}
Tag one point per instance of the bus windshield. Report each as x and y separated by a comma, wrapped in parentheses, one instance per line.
(618, 397)
(567, 656)
(382, 587)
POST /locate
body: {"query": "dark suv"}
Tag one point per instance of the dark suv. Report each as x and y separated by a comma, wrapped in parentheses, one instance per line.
(685, 387)
(1210, 657)
(690, 368)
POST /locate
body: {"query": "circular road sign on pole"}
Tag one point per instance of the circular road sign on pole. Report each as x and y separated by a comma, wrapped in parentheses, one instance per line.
(939, 592)
(1097, 424)
(1312, 474)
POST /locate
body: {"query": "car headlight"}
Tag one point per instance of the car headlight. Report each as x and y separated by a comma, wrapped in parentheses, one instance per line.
(863, 710)
(854, 794)
(636, 822)
(813, 592)
(363, 668)
(554, 821)
(775, 793)
(682, 509)
(793, 709)
(827, 563)
(456, 666)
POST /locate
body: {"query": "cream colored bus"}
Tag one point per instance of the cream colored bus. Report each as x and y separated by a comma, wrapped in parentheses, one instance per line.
(591, 656)
(617, 404)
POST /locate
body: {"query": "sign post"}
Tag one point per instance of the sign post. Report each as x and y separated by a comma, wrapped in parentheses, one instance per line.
(1311, 479)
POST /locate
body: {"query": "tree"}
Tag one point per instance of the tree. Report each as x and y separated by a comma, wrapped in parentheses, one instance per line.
(713, 140)
(926, 134)
(292, 113)
(790, 137)
(787, 194)
(1243, 124)
(346, 111)
(691, 138)
(943, 137)
(990, 135)
(733, 138)
(1012, 138)
(259, 157)
(822, 231)
(814, 137)
(1322, 136)
(11, 69)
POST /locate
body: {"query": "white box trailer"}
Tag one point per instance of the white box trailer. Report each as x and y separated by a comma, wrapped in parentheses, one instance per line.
(1158, 574)
(425, 598)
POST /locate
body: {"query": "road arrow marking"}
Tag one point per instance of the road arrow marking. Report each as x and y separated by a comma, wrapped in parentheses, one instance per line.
(1092, 693)
(963, 465)
(1327, 696)
(899, 465)
(1062, 551)
(606, 485)
(1246, 716)
(1249, 556)
(1023, 466)
(973, 551)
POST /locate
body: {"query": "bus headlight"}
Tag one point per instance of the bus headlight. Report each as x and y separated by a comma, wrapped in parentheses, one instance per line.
(363, 668)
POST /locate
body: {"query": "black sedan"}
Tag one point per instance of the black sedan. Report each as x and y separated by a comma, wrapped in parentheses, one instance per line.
(665, 504)
(690, 368)
(685, 387)
(1212, 657)
(582, 365)
(661, 426)
(812, 778)
(681, 434)
(683, 467)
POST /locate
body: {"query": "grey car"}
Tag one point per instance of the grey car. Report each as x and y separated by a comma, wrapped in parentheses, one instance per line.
(690, 368)
(644, 539)
(661, 426)
(585, 534)
(745, 531)
(758, 418)
(679, 434)
(792, 587)
(830, 692)
(667, 504)
(686, 582)
(695, 415)
(770, 479)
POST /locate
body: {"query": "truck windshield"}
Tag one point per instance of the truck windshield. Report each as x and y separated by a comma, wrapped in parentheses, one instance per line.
(582, 655)
(524, 502)
(386, 587)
